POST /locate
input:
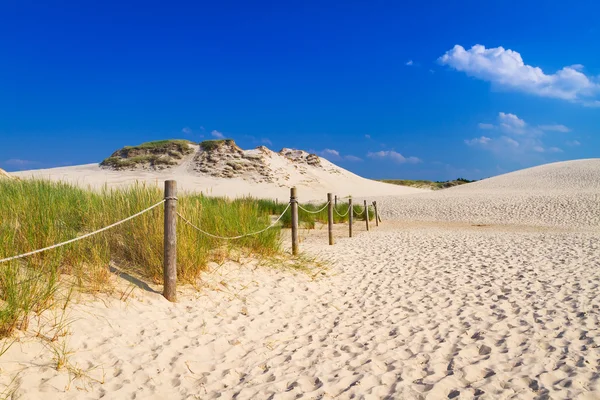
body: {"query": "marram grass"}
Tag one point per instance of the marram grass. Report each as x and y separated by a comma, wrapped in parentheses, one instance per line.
(36, 214)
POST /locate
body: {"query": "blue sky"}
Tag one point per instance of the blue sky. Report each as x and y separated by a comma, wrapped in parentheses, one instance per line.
(428, 89)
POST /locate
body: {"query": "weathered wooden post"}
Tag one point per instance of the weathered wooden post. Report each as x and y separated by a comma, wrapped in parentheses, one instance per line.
(376, 214)
(336, 201)
(350, 216)
(170, 239)
(367, 215)
(294, 205)
(330, 217)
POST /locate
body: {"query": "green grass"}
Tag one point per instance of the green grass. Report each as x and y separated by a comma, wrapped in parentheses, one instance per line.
(158, 153)
(309, 220)
(179, 144)
(434, 185)
(210, 145)
(36, 214)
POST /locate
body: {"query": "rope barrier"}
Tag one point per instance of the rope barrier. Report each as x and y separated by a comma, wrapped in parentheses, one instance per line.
(83, 236)
(235, 237)
(342, 215)
(313, 212)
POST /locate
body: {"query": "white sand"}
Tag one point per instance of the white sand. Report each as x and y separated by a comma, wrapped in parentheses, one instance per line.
(409, 310)
(312, 183)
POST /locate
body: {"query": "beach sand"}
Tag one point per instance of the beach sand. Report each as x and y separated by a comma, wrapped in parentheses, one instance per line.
(494, 296)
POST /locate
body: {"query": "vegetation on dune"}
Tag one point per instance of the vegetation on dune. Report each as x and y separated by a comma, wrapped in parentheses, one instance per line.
(36, 214)
(153, 154)
(424, 184)
(211, 145)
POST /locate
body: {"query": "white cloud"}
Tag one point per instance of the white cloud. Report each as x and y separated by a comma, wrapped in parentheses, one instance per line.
(409, 63)
(266, 141)
(217, 134)
(555, 128)
(187, 130)
(330, 152)
(510, 141)
(483, 140)
(573, 143)
(334, 155)
(511, 123)
(17, 162)
(394, 156)
(352, 158)
(516, 138)
(368, 136)
(505, 68)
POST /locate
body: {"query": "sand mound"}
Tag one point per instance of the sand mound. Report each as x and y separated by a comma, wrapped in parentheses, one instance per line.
(221, 168)
(5, 175)
(149, 156)
(564, 194)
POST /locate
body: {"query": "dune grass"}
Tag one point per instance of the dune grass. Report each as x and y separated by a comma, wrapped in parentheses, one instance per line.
(309, 220)
(35, 214)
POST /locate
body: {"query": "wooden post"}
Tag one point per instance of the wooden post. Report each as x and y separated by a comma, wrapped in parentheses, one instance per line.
(330, 217)
(367, 215)
(294, 205)
(376, 214)
(336, 201)
(350, 216)
(170, 238)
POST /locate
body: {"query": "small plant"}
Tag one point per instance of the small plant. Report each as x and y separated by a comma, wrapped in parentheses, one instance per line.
(210, 145)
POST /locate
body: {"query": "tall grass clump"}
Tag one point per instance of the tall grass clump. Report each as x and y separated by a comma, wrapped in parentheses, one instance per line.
(35, 214)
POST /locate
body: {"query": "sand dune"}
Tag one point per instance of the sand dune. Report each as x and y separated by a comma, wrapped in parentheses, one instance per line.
(282, 172)
(565, 194)
(410, 310)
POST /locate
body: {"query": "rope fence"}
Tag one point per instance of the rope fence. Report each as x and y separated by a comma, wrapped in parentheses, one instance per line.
(82, 236)
(170, 230)
(314, 212)
(235, 237)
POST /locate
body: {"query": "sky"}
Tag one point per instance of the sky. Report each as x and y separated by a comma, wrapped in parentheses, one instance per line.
(413, 90)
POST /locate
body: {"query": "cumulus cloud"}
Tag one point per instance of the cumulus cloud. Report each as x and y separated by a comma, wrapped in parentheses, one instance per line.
(505, 68)
(217, 134)
(515, 137)
(393, 156)
(480, 140)
(352, 158)
(554, 128)
(187, 130)
(409, 63)
(330, 153)
(17, 162)
(334, 155)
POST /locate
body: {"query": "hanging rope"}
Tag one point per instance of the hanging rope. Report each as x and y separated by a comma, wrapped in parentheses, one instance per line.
(83, 236)
(313, 212)
(234, 237)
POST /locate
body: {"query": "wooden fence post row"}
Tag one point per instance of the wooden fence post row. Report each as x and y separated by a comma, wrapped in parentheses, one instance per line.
(376, 214)
(170, 242)
(350, 216)
(294, 205)
(366, 213)
(330, 217)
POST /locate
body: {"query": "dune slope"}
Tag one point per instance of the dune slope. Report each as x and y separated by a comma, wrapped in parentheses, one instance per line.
(564, 194)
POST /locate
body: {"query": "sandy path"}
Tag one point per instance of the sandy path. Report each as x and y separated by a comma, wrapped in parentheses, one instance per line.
(447, 312)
